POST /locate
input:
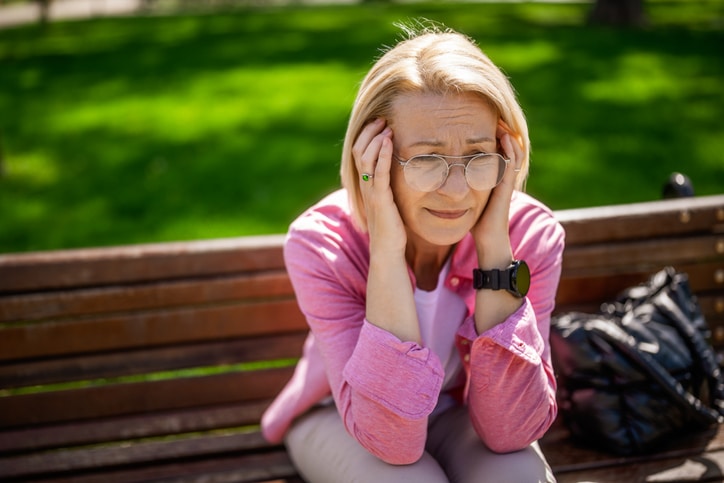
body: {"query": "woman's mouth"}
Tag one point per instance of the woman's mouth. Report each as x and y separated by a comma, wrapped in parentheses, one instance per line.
(447, 214)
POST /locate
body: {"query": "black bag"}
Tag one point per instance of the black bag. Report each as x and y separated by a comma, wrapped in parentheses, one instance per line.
(640, 371)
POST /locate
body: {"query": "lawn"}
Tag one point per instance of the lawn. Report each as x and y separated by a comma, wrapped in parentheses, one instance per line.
(160, 128)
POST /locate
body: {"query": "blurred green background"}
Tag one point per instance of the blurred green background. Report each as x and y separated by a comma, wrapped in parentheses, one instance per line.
(227, 123)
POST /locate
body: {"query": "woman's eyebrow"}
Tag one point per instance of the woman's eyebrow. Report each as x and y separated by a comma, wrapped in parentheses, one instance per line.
(436, 144)
(481, 140)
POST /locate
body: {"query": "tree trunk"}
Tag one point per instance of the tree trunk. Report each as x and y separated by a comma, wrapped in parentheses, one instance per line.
(618, 13)
(44, 11)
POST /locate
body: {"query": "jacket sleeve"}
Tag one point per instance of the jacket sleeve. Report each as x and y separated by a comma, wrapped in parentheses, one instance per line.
(511, 385)
(384, 388)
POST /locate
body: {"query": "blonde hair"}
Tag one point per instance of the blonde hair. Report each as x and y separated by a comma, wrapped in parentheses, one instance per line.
(429, 60)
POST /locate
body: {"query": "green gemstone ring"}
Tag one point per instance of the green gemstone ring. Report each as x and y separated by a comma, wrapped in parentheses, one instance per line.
(366, 177)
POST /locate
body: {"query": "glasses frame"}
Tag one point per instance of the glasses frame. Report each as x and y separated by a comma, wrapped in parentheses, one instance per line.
(443, 157)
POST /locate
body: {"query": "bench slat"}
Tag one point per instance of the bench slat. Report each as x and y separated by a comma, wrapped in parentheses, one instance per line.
(231, 351)
(599, 287)
(223, 467)
(137, 263)
(142, 397)
(126, 453)
(708, 466)
(269, 467)
(150, 329)
(653, 219)
(133, 427)
(124, 299)
(645, 255)
(566, 457)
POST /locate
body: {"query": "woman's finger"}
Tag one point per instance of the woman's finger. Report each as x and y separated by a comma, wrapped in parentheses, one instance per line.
(384, 158)
(365, 149)
(513, 152)
(369, 162)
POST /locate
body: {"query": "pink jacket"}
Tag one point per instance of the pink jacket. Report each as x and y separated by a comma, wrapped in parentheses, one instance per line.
(385, 388)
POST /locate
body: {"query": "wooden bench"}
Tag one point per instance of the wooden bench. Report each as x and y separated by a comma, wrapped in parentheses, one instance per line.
(156, 361)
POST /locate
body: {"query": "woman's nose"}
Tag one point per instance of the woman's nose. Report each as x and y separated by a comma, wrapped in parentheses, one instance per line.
(455, 184)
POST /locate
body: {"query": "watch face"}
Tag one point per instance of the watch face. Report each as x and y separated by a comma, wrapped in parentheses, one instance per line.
(522, 278)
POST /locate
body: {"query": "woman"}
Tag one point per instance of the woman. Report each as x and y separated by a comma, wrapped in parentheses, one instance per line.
(427, 283)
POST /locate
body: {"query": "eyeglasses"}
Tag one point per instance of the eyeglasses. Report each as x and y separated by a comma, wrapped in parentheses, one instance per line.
(427, 172)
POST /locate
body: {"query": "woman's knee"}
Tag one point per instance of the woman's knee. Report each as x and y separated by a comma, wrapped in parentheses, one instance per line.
(323, 451)
(466, 459)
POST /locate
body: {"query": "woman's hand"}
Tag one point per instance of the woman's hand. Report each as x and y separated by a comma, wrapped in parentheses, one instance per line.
(390, 303)
(491, 232)
(372, 153)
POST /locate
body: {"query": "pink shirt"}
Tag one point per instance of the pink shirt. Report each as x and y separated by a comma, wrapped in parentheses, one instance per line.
(385, 388)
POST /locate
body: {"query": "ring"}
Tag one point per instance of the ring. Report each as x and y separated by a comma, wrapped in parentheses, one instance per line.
(366, 177)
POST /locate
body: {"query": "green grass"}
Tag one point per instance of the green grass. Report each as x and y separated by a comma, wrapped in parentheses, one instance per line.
(131, 130)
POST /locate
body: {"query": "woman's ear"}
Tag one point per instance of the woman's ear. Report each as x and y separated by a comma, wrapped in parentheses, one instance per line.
(501, 131)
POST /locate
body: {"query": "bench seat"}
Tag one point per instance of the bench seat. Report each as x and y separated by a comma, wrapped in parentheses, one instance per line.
(155, 362)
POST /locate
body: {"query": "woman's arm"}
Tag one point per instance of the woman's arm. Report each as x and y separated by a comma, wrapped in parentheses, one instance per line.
(384, 388)
(512, 386)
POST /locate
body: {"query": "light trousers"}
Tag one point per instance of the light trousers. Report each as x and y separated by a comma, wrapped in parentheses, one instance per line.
(323, 452)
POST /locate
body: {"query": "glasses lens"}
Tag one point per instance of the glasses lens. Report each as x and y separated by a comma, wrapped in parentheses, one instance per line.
(485, 171)
(425, 172)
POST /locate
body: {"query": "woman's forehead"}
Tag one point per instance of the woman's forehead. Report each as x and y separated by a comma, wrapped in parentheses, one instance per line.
(421, 119)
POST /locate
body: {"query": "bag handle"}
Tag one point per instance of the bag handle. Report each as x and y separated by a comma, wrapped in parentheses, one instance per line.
(669, 291)
(616, 336)
(700, 348)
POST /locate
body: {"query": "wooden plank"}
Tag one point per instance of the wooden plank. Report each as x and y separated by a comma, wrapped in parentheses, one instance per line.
(138, 398)
(645, 255)
(663, 218)
(269, 467)
(148, 329)
(144, 296)
(708, 466)
(138, 426)
(601, 287)
(566, 456)
(128, 453)
(115, 364)
(129, 264)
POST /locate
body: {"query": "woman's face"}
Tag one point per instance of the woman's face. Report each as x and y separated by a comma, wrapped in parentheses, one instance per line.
(453, 125)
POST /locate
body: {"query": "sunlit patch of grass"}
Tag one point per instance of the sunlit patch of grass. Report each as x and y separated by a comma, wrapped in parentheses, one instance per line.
(34, 168)
(523, 56)
(638, 77)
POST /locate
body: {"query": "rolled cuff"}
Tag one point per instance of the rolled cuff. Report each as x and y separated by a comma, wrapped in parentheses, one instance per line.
(403, 377)
(517, 334)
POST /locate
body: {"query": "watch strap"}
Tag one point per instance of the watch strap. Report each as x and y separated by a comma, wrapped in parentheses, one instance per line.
(494, 279)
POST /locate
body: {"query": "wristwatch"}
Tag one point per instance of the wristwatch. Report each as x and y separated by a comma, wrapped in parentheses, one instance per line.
(515, 279)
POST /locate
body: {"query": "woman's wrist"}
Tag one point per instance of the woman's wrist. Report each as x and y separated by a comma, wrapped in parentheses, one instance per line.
(390, 300)
(492, 255)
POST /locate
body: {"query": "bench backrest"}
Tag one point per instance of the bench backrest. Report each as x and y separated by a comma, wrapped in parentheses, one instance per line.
(140, 360)
(613, 247)
(156, 345)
